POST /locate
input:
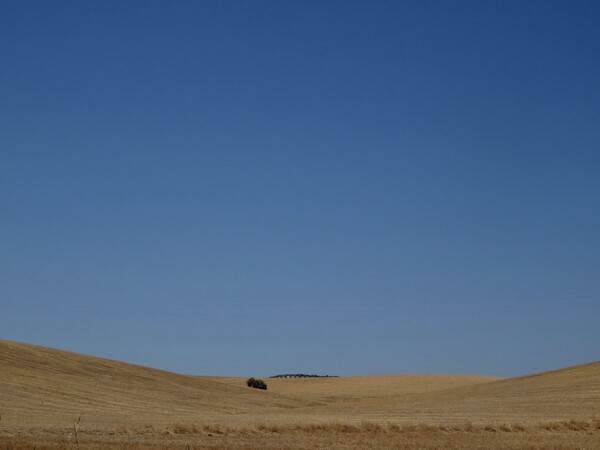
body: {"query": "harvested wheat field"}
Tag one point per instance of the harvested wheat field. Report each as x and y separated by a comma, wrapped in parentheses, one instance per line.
(43, 392)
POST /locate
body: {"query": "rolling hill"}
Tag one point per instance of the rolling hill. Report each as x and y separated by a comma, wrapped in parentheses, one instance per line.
(570, 393)
(40, 385)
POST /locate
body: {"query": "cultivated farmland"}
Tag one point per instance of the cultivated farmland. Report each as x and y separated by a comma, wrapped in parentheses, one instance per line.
(43, 392)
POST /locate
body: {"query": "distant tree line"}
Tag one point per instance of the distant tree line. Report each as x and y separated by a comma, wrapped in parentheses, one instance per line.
(302, 375)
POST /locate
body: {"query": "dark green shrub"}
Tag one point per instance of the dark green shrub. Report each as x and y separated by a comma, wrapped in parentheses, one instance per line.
(257, 384)
(260, 384)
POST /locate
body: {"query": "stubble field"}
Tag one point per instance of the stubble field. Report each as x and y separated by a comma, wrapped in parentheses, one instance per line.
(43, 392)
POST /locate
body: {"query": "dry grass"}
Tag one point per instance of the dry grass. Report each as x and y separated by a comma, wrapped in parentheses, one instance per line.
(556, 435)
(572, 393)
(44, 391)
(321, 391)
(38, 384)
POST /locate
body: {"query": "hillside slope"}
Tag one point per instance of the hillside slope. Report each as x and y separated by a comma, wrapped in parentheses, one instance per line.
(43, 385)
(39, 384)
(565, 394)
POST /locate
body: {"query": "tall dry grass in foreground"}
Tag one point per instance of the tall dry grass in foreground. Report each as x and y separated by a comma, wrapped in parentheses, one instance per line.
(335, 435)
(592, 426)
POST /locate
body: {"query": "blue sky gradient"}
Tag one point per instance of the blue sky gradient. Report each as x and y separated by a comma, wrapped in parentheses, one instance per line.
(253, 188)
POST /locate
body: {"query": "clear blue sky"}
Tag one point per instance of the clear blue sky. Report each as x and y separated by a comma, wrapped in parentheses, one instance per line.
(252, 188)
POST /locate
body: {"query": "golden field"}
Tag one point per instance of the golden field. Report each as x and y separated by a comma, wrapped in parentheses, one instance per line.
(44, 391)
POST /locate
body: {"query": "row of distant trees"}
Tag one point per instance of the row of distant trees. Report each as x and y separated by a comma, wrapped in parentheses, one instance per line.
(260, 384)
(302, 375)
